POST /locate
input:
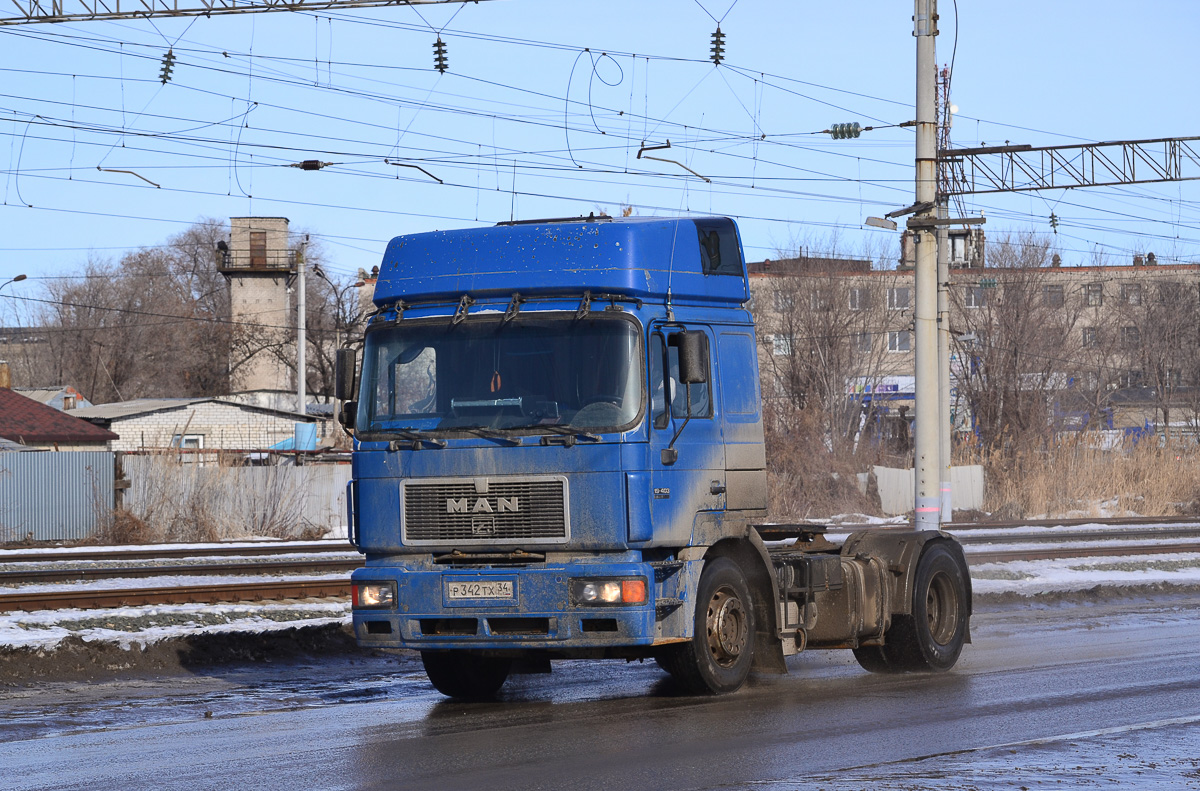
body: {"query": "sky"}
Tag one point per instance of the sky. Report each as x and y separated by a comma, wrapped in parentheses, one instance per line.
(543, 110)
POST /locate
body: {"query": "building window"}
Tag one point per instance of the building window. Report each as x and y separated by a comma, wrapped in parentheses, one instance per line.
(1131, 337)
(1172, 293)
(784, 301)
(1172, 377)
(781, 345)
(1093, 295)
(1131, 293)
(1052, 296)
(819, 300)
(1131, 378)
(862, 342)
(860, 298)
(975, 297)
(190, 442)
(900, 341)
(1091, 338)
(958, 248)
(898, 298)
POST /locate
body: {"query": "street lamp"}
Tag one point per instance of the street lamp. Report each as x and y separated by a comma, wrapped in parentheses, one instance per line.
(16, 279)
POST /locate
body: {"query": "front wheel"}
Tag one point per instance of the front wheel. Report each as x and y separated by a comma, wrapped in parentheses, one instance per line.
(458, 674)
(932, 637)
(717, 659)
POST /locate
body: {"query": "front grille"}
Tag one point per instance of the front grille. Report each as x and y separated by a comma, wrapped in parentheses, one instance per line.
(479, 512)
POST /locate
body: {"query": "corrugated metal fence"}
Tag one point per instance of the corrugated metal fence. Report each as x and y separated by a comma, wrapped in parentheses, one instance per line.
(50, 496)
(53, 496)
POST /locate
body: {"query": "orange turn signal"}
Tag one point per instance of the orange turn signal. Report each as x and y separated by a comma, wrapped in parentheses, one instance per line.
(633, 591)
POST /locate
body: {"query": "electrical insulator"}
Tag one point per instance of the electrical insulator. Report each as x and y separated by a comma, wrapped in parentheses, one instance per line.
(439, 56)
(168, 63)
(718, 47)
(843, 131)
(1054, 221)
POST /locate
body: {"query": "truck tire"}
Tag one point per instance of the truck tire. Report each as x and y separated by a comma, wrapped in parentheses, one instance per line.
(458, 674)
(930, 639)
(717, 659)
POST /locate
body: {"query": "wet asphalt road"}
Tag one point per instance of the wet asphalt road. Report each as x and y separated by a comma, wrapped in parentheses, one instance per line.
(1074, 696)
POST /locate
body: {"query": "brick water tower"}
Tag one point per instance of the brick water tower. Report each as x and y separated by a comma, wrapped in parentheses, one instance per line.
(260, 269)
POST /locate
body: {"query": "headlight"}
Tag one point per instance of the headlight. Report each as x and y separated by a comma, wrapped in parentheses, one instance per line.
(613, 590)
(379, 595)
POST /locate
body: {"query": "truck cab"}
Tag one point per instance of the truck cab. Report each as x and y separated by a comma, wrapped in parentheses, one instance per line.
(559, 454)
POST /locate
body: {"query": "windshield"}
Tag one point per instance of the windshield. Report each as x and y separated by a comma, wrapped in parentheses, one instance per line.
(534, 372)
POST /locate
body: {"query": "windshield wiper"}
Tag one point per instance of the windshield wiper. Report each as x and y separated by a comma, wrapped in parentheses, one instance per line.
(397, 435)
(487, 433)
(565, 431)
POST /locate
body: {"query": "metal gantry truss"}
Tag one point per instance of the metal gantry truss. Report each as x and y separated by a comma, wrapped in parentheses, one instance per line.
(1021, 168)
(33, 11)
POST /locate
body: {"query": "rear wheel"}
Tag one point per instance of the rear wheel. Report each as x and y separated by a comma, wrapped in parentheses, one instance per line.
(718, 657)
(932, 637)
(458, 674)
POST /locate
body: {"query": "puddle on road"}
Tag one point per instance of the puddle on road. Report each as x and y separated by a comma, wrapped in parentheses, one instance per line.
(50, 710)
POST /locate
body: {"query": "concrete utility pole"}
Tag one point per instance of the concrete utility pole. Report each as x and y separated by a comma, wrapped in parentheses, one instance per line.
(927, 445)
(943, 351)
(301, 330)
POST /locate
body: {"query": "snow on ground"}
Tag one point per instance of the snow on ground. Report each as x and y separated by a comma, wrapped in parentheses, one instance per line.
(1039, 577)
(137, 626)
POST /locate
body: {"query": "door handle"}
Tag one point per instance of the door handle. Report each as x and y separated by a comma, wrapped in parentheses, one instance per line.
(716, 487)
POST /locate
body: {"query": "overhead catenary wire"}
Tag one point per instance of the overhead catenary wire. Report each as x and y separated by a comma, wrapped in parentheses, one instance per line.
(715, 147)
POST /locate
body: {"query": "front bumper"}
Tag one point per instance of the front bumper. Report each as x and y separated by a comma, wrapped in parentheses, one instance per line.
(539, 615)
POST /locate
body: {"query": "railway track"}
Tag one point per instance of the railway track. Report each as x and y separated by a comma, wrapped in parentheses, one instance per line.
(177, 594)
(286, 561)
(270, 567)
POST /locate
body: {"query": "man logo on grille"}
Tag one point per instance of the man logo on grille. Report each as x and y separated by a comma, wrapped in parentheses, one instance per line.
(503, 505)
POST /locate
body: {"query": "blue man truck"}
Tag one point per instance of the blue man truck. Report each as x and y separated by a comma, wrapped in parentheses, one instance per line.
(558, 453)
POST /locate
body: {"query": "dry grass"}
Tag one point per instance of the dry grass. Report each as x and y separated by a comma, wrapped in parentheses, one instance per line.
(1076, 479)
(173, 502)
(805, 480)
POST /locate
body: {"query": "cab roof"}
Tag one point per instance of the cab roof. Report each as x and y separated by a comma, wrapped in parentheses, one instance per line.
(694, 259)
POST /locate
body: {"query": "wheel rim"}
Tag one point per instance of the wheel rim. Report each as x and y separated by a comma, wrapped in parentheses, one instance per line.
(727, 627)
(941, 608)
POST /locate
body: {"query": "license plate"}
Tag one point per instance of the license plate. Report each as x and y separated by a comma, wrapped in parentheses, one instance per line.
(480, 589)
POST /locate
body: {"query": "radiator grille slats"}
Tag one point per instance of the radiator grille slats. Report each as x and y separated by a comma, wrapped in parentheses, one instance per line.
(512, 510)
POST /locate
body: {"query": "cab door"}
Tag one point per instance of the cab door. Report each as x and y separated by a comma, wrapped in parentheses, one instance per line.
(687, 451)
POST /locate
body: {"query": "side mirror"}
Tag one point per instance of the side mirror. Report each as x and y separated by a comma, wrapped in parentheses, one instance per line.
(693, 357)
(343, 374)
(346, 416)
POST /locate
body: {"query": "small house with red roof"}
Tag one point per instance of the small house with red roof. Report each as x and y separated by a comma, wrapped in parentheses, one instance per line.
(36, 426)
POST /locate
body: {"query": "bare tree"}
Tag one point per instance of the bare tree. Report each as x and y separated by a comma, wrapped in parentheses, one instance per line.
(1016, 342)
(1155, 321)
(333, 318)
(154, 323)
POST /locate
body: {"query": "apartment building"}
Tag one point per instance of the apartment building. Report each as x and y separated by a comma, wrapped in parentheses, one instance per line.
(1113, 347)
